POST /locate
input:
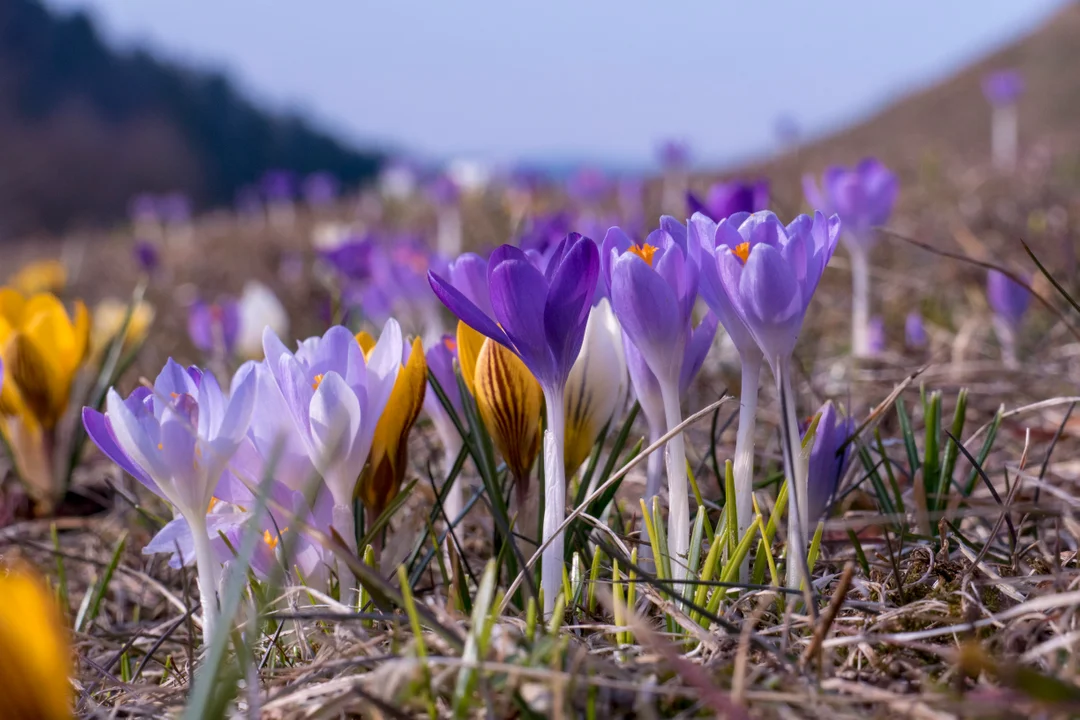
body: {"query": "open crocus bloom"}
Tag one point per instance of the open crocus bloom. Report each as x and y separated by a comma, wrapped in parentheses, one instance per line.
(769, 273)
(863, 197)
(177, 440)
(653, 290)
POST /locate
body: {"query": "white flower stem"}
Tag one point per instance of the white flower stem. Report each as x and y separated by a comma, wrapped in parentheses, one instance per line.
(551, 562)
(454, 502)
(344, 522)
(1004, 132)
(1006, 335)
(744, 443)
(207, 567)
(860, 299)
(796, 474)
(449, 231)
(654, 470)
(678, 485)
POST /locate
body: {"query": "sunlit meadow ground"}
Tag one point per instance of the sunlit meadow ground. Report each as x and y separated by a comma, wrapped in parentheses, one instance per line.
(965, 613)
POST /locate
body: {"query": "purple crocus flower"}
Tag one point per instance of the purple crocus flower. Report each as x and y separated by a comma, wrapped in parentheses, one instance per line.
(828, 459)
(177, 440)
(1003, 87)
(278, 186)
(320, 189)
(147, 256)
(703, 234)
(915, 330)
(352, 259)
(653, 288)
(335, 399)
(143, 208)
(769, 273)
(674, 154)
(174, 208)
(588, 186)
(443, 191)
(877, 337)
(540, 317)
(213, 328)
(1008, 299)
(725, 199)
(863, 197)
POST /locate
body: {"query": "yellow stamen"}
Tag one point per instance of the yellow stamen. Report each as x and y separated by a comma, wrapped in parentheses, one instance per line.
(272, 540)
(318, 381)
(742, 251)
(213, 502)
(644, 251)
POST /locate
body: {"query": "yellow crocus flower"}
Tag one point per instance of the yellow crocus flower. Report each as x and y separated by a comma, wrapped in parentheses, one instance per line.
(384, 472)
(40, 276)
(508, 398)
(108, 319)
(42, 348)
(35, 653)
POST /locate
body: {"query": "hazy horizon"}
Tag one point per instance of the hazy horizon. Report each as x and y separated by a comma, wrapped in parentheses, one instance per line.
(569, 82)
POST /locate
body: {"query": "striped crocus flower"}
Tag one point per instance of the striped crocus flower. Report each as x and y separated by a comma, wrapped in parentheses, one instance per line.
(540, 317)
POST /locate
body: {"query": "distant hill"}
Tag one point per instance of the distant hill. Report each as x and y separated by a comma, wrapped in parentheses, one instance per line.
(950, 121)
(84, 127)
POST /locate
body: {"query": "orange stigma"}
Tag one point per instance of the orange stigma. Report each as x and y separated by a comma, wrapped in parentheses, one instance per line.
(644, 251)
(742, 251)
(213, 502)
(318, 381)
(451, 344)
(272, 540)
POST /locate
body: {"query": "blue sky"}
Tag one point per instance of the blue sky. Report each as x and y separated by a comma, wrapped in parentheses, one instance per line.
(568, 79)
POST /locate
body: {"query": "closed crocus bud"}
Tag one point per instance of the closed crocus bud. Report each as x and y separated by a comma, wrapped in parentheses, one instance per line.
(259, 308)
(40, 276)
(509, 400)
(725, 199)
(43, 349)
(147, 256)
(213, 328)
(827, 461)
(109, 317)
(597, 386)
(381, 479)
(1008, 299)
(915, 331)
(35, 651)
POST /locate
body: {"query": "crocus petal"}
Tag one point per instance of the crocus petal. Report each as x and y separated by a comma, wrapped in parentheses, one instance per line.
(518, 294)
(99, 429)
(697, 347)
(465, 309)
(509, 400)
(335, 423)
(648, 310)
(569, 300)
(137, 436)
(469, 275)
(771, 301)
